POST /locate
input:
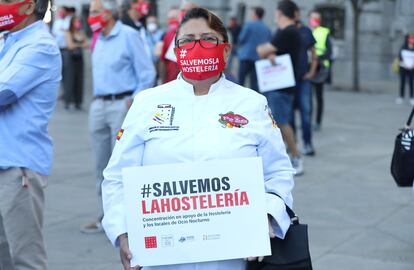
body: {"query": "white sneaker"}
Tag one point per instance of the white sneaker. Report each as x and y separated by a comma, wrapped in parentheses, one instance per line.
(308, 150)
(412, 101)
(399, 100)
(297, 164)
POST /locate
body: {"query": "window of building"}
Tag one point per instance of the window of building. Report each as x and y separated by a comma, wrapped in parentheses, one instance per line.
(333, 17)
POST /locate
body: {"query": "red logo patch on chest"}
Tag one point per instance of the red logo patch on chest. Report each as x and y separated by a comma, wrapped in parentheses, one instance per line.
(231, 120)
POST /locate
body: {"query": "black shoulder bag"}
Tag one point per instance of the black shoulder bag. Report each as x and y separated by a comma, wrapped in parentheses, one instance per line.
(402, 164)
(291, 253)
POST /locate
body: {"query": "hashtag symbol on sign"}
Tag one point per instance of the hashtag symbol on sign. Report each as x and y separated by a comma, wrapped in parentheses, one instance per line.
(145, 191)
(183, 53)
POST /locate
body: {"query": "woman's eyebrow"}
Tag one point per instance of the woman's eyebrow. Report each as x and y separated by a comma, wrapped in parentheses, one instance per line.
(202, 34)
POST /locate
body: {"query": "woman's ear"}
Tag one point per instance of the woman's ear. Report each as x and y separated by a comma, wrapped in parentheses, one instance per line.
(29, 8)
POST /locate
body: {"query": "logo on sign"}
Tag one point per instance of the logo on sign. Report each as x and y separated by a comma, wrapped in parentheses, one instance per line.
(186, 238)
(150, 242)
(167, 241)
(207, 237)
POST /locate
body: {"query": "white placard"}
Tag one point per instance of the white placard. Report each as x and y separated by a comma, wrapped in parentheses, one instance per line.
(274, 77)
(170, 55)
(196, 212)
(407, 59)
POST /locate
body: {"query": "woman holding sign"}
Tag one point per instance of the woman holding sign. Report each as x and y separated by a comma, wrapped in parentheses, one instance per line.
(200, 116)
(407, 68)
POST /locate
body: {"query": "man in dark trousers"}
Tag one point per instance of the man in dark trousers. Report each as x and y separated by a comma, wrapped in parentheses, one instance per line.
(287, 40)
(303, 96)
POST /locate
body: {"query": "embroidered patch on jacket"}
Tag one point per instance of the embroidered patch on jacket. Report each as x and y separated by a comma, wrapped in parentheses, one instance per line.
(269, 112)
(230, 120)
(120, 133)
(164, 118)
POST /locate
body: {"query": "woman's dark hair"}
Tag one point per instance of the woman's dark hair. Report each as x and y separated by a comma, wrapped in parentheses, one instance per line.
(405, 43)
(406, 37)
(213, 21)
(41, 8)
(71, 24)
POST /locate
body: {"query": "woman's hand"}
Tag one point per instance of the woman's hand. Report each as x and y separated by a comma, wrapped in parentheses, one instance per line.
(271, 235)
(125, 253)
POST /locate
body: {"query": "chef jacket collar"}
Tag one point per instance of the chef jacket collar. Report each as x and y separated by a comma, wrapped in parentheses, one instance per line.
(187, 87)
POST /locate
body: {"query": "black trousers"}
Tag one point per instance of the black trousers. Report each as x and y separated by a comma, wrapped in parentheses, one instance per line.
(248, 68)
(319, 102)
(73, 81)
(404, 75)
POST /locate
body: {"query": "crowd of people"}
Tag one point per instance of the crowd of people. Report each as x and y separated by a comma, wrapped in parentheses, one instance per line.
(130, 53)
(309, 47)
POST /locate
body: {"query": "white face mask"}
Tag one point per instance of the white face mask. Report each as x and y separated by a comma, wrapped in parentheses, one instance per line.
(152, 27)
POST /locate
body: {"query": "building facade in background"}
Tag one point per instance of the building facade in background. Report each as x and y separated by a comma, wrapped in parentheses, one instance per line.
(383, 24)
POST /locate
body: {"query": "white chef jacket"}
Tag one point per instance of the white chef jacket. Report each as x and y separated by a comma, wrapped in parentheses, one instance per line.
(169, 124)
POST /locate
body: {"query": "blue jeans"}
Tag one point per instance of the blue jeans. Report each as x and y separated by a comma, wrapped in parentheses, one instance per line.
(303, 102)
(247, 67)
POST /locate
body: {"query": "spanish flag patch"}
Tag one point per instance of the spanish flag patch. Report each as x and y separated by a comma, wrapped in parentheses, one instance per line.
(269, 112)
(120, 133)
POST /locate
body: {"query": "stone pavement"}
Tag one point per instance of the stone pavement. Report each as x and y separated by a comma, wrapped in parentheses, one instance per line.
(358, 218)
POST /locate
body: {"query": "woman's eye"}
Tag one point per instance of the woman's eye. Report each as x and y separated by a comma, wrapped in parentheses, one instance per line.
(185, 41)
(209, 39)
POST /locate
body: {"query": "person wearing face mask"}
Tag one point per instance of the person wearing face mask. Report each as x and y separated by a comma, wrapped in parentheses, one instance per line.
(169, 68)
(198, 97)
(406, 56)
(120, 70)
(59, 28)
(73, 79)
(155, 41)
(134, 14)
(154, 30)
(323, 48)
(155, 34)
(30, 73)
